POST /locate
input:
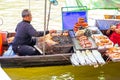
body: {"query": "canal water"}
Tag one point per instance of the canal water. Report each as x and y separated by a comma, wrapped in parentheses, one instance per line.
(109, 71)
(10, 14)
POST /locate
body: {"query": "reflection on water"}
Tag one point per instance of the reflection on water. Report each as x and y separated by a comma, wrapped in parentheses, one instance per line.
(109, 71)
(101, 77)
(65, 76)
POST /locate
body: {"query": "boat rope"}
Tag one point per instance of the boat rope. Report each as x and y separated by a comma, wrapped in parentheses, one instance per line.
(65, 57)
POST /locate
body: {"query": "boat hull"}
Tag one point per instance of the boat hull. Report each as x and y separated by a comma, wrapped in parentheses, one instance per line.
(35, 61)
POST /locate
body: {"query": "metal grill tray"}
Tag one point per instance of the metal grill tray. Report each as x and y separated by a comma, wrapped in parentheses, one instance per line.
(65, 45)
(79, 47)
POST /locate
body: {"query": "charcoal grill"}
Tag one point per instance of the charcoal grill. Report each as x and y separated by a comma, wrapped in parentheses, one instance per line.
(64, 45)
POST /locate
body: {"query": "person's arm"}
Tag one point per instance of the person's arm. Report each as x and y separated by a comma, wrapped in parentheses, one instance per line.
(108, 32)
(32, 32)
(41, 33)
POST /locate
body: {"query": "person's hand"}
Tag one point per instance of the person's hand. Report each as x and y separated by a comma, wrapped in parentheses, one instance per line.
(52, 31)
(113, 27)
(10, 40)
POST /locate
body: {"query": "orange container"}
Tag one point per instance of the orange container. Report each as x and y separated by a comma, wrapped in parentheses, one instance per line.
(1, 50)
(3, 39)
(108, 16)
(118, 17)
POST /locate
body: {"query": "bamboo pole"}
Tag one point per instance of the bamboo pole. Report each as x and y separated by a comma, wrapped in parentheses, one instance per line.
(45, 10)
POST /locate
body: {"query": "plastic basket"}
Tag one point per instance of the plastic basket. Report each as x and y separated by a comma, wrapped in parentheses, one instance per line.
(70, 16)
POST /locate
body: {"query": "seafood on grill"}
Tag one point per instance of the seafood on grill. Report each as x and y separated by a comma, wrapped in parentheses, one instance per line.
(60, 33)
(47, 39)
(55, 43)
(84, 42)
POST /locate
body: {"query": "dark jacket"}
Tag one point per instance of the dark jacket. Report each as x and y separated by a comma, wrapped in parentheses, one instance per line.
(24, 34)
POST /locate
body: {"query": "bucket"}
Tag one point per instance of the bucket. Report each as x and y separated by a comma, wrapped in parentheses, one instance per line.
(1, 50)
(3, 40)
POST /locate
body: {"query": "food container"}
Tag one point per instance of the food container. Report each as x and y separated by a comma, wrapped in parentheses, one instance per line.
(4, 36)
(117, 17)
(113, 53)
(82, 45)
(64, 44)
(108, 16)
(102, 41)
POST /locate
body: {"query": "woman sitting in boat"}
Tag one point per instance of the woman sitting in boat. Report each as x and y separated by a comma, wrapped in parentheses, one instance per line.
(115, 36)
(23, 42)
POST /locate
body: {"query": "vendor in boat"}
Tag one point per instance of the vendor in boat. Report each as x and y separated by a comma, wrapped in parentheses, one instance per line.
(115, 36)
(23, 42)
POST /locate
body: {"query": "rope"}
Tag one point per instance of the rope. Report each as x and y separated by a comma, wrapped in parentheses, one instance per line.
(65, 57)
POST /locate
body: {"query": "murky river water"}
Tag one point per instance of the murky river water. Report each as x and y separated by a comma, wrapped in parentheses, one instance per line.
(109, 71)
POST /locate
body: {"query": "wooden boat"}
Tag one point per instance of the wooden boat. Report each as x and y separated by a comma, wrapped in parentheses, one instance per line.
(57, 58)
(34, 61)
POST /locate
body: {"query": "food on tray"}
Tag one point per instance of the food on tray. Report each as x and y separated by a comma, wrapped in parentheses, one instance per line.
(80, 24)
(102, 41)
(75, 29)
(81, 38)
(100, 44)
(85, 25)
(116, 56)
(113, 50)
(88, 45)
(80, 33)
(100, 37)
(113, 53)
(84, 42)
(80, 20)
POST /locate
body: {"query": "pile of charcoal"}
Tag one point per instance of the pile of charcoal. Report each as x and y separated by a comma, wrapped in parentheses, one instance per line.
(62, 40)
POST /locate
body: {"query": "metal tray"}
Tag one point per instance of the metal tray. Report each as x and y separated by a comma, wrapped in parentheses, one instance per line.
(79, 47)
